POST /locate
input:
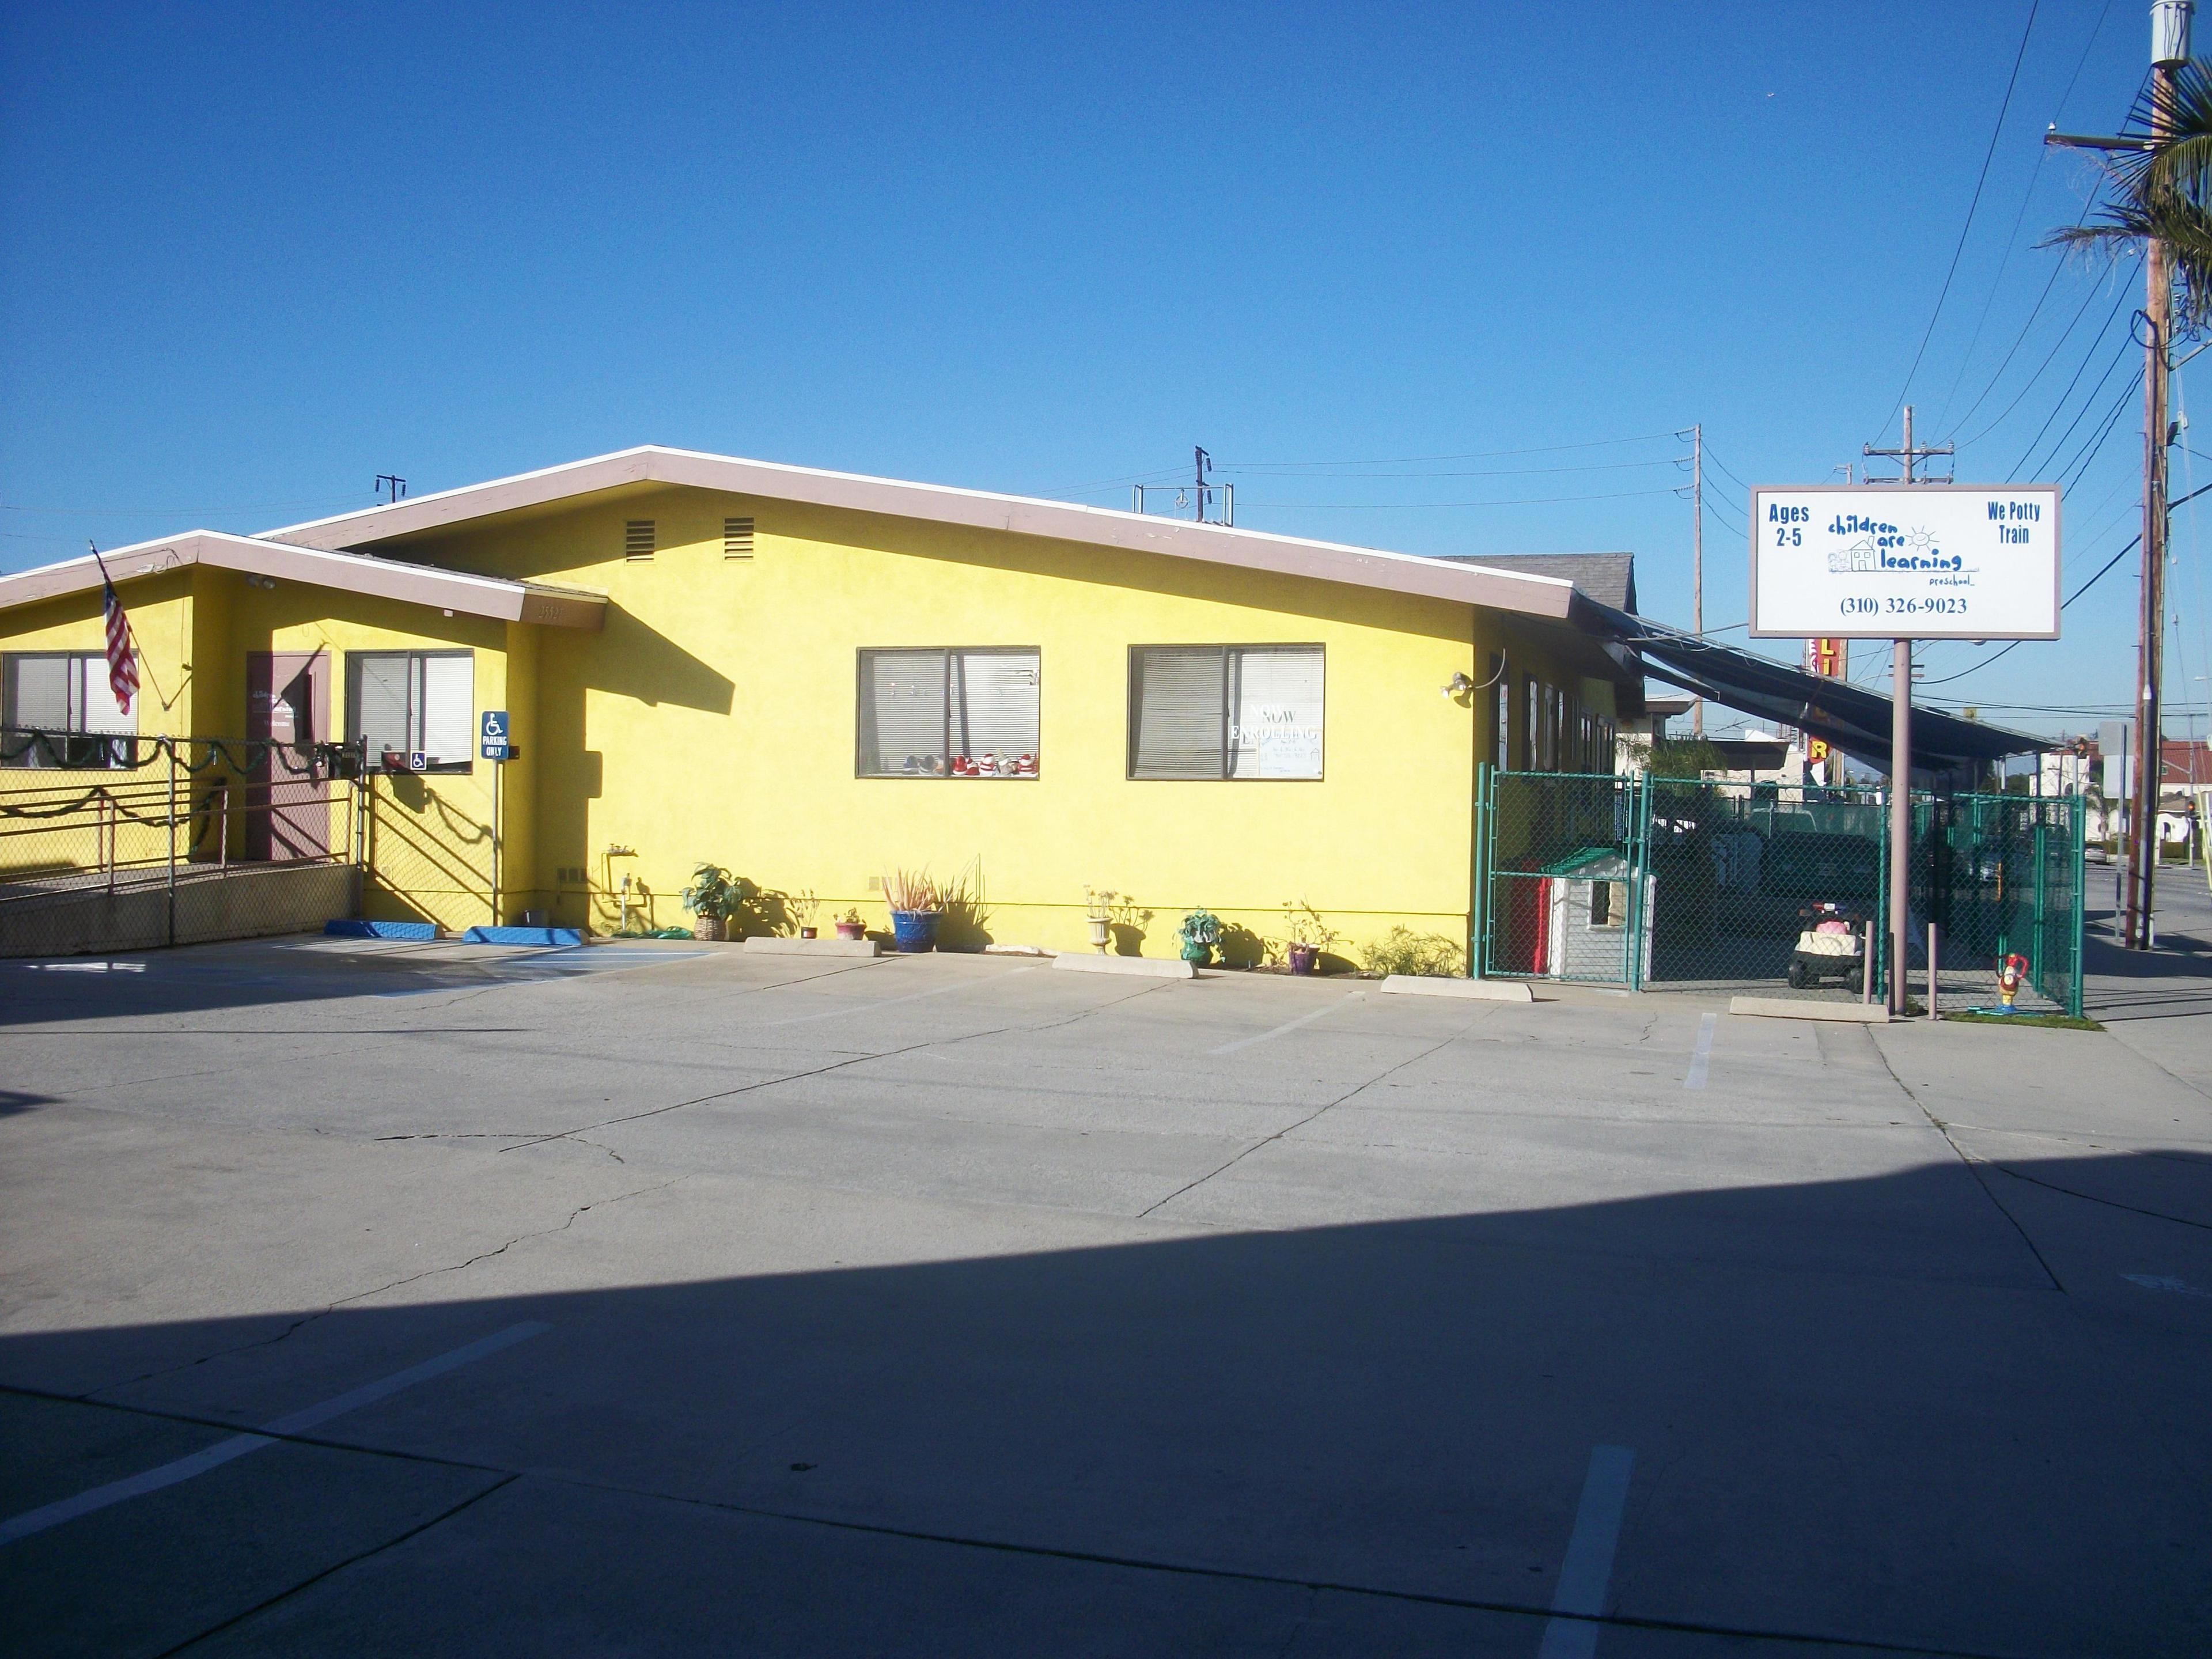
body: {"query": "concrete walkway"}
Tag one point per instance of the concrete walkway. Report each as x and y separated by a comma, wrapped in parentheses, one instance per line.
(669, 1299)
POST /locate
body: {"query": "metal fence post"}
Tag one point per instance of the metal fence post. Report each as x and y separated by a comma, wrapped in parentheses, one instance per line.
(1478, 902)
(172, 840)
(2081, 899)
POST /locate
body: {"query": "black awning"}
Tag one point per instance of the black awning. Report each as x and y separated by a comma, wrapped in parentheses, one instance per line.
(1851, 717)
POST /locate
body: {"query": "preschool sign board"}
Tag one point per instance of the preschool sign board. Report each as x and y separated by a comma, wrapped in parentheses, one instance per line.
(1893, 561)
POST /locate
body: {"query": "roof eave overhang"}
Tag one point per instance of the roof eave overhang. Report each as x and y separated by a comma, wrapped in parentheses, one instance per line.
(1403, 573)
(446, 590)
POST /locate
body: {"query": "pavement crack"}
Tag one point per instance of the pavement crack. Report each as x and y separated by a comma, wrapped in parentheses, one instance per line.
(2110, 1203)
(582, 1129)
(1975, 1166)
(303, 1321)
(486, 1255)
(377, 1548)
(1267, 1140)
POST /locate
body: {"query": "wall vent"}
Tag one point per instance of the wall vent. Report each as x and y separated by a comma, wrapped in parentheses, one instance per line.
(736, 539)
(637, 539)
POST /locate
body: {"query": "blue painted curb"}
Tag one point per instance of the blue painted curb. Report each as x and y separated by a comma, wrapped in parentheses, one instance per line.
(343, 929)
(547, 936)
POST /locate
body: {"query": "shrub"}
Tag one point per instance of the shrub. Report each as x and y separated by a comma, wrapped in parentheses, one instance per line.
(1401, 950)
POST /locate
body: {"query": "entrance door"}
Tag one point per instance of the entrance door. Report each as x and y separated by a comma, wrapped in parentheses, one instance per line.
(288, 703)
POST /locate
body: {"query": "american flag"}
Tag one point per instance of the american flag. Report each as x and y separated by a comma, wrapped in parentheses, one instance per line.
(122, 649)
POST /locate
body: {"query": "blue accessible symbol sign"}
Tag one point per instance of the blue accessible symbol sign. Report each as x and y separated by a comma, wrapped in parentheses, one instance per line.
(495, 744)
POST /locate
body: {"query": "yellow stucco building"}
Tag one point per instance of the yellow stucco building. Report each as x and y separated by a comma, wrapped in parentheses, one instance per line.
(815, 678)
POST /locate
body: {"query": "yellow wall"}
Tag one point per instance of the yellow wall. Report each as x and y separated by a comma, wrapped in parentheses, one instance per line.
(428, 839)
(714, 720)
(112, 807)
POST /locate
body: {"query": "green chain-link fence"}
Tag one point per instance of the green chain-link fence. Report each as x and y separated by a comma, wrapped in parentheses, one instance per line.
(1691, 884)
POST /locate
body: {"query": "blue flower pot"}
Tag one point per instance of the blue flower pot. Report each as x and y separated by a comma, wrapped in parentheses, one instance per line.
(915, 931)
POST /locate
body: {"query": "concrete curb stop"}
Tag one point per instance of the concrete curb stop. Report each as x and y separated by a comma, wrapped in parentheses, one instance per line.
(1154, 967)
(768, 947)
(1480, 990)
(1849, 1013)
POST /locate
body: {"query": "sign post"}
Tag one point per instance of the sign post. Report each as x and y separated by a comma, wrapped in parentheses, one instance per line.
(494, 742)
(1898, 562)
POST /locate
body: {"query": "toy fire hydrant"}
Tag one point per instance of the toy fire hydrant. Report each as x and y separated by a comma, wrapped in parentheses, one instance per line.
(2011, 970)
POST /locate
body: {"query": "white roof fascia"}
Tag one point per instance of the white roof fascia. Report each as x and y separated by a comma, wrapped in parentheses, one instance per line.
(1404, 572)
(391, 578)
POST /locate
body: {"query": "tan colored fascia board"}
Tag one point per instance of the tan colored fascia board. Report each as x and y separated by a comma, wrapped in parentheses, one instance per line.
(1403, 573)
(446, 590)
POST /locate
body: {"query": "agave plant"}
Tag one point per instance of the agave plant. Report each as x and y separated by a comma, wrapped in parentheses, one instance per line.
(915, 891)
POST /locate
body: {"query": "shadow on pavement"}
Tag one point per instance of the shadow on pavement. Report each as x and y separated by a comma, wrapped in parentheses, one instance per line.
(1860, 1409)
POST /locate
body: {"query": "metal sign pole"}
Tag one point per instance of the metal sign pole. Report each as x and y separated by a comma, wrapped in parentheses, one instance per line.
(1900, 818)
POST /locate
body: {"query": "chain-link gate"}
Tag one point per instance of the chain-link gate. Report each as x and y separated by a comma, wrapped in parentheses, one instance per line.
(2002, 876)
(118, 842)
(1691, 884)
(1562, 896)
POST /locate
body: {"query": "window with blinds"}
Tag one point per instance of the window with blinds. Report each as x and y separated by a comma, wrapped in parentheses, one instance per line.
(406, 704)
(66, 695)
(949, 713)
(637, 538)
(1502, 725)
(736, 539)
(1225, 711)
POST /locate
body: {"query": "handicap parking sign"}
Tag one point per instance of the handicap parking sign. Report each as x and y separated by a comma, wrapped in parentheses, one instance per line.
(495, 744)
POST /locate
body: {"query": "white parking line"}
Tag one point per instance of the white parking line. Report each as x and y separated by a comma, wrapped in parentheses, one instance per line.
(892, 1002)
(1288, 1025)
(136, 1485)
(1701, 1057)
(1588, 1569)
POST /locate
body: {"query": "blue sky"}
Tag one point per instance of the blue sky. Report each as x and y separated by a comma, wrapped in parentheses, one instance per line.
(257, 255)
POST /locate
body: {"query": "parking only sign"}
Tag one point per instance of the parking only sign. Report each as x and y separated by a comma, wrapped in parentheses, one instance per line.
(495, 744)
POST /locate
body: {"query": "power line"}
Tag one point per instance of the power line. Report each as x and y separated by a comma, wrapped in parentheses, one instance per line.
(2012, 241)
(2134, 542)
(1472, 455)
(1724, 467)
(2003, 109)
(1530, 500)
(1284, 471)
(2072, 473)
(2065, 396)
(2057, 346)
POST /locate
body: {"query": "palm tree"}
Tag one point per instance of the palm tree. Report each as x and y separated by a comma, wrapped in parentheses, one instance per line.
(2163, 192)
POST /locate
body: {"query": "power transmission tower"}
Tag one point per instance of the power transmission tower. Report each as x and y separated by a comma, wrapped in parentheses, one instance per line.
(1909, 456)
(2169, 50)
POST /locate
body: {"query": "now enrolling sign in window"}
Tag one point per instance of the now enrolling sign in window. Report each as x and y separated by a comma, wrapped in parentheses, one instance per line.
(1225, 711)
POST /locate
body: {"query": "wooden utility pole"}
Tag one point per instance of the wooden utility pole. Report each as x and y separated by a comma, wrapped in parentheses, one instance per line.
(1698, 559)
(2150, 654)
(2169, 50)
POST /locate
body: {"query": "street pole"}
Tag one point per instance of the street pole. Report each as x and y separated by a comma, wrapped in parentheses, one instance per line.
(2169, 50)
(1698, 558)
(2149, 651)
(1900, 789)
(1900, 754)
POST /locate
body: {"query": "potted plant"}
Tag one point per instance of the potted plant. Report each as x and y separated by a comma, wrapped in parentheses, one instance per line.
(916, 908)
(1098, 911)
(1307, 936)
(802, 905)
(713, 894)
(1200, 933)
(849, 925)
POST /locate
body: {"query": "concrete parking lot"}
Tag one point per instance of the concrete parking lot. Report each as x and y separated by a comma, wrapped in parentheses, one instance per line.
(661, 1299)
